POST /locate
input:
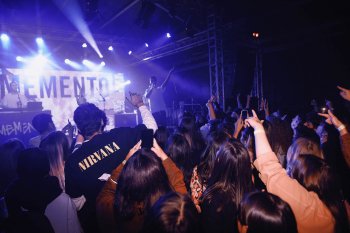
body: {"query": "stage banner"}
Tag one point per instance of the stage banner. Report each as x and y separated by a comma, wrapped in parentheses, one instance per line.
(58, 89)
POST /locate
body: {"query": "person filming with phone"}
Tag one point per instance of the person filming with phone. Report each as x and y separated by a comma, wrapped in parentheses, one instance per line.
(97, 153)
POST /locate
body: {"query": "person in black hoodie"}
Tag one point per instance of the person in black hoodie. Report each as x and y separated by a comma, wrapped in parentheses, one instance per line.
(35, 200)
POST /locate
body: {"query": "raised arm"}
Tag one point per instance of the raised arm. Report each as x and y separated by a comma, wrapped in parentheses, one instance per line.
(167, 78)
(147, 117)
(344, 134)
(210, 107)
(345, 93)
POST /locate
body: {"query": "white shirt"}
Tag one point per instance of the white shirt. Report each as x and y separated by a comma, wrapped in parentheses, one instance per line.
(11, 100)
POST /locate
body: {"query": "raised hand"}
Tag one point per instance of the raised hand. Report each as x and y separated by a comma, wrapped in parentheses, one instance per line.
(331, 119)
(238, 126)
(133, 150)
(254, 122)
(345, 93)
(135, 99)
(158, 150)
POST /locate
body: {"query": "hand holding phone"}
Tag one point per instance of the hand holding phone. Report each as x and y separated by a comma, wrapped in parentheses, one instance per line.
(244, 114)
(147, 138)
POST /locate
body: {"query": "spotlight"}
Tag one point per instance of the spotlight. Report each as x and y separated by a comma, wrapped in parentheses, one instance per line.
(67, 61)
(102, 63)
(168, 35)
(19, 58)
(101, 56)
(85, 62)
(84, 45)
(130, 52)
(256, 34)
(5, 37)
(39, 40)
(110, 48)
(146, 45)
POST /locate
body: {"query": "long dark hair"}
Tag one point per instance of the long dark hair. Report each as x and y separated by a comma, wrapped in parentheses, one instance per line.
(206, 164)
(143, 180)
(264, 212)
(231, 172)
(172, 213)
(230, 180)
(180, 152)
(316, 175)
(57, 147)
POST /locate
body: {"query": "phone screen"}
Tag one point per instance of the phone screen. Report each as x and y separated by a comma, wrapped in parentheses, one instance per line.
(147, 138)
(244, 114)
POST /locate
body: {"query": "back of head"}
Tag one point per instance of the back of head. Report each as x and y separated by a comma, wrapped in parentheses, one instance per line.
(57, 148)
(304, 132)
(33, 163)
(316, 175)
(179, 151)
(143, 180)
(161, 135)
(9, 152)
(172, 213)
(206, 164)
(263, 212)
(303, 146)
(43, 123)
(231, 173)
(89, 119)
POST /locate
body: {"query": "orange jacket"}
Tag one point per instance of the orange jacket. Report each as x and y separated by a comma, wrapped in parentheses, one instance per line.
(309, 211)
(105, 200)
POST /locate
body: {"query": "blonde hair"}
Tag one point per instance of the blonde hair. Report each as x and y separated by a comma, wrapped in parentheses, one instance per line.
(303, 146)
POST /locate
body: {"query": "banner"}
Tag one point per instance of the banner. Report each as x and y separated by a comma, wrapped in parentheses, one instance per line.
(58, 89)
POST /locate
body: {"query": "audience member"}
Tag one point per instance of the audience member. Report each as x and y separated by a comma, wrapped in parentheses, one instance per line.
(100, 152)
(230, 180)
(263, 212)
(179, 151)
(172, 213)
(134, 186)
(312, 191)
(38, 193)
(57, 148)
(44, 125)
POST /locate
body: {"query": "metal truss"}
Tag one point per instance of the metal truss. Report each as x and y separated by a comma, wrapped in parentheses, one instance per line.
(216, 60)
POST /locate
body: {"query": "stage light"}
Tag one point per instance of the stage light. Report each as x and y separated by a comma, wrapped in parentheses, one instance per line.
(101, 56)
(127, 82)
(85, 62)
(102, 63)
(256, 34)
(146, 45)
(84, 45)
(110, 48)
(4, 37)
(168, 35)
(39, 40)
(130, 52)
(19, 58)
(73, 64)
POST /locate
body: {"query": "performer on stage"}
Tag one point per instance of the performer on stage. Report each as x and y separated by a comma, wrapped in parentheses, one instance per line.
(14, 99)
(154, 97)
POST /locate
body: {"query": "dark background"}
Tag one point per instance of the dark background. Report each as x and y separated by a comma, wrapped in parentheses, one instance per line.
(305, 43)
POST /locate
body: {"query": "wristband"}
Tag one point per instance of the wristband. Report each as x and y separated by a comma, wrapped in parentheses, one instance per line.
(124, 162)
(341, 127)
(258, 131)
(113, 181)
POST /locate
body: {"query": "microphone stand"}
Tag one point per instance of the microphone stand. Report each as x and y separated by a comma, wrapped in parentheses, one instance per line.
(19, 103)
(104, 102)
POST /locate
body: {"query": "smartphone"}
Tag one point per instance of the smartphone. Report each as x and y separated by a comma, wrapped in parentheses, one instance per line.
(323, 110)
(244, 114)
(147, 138)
